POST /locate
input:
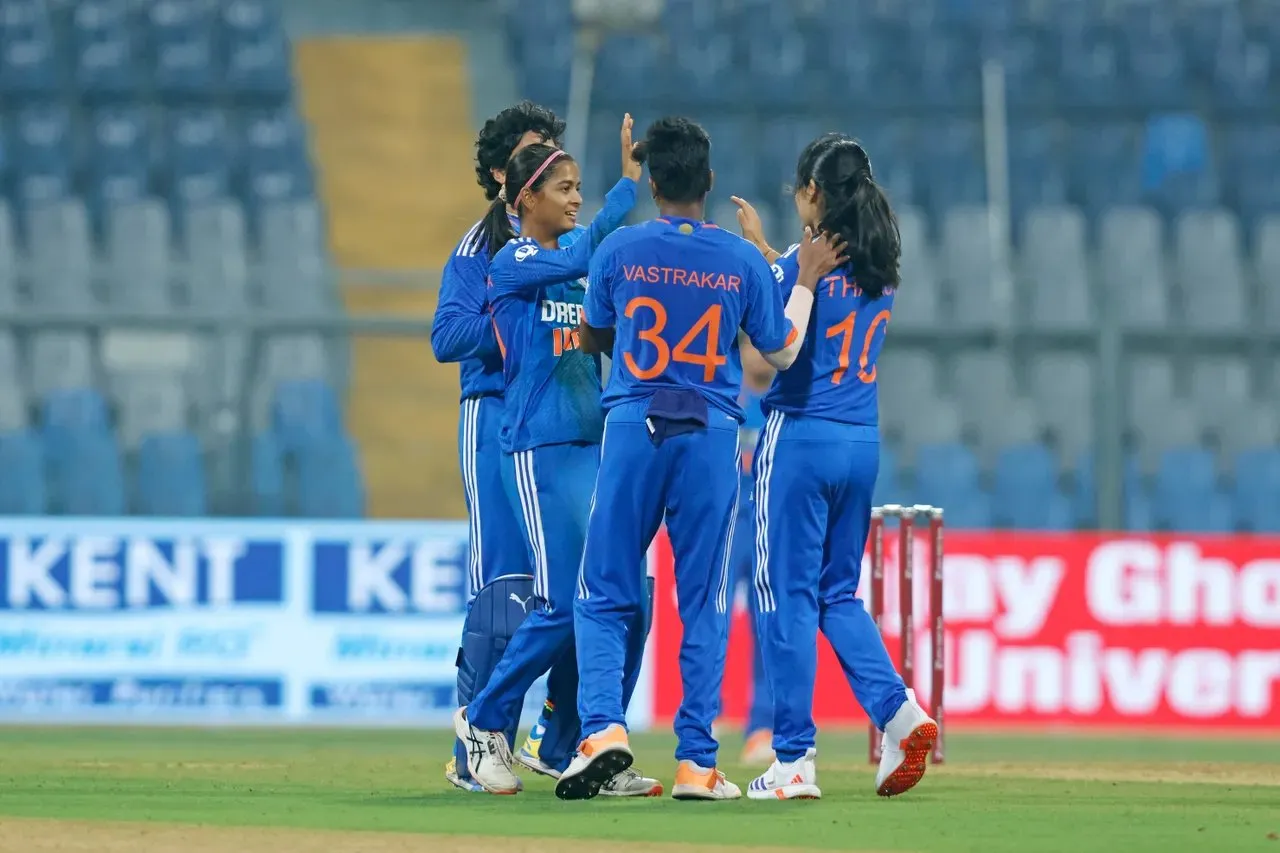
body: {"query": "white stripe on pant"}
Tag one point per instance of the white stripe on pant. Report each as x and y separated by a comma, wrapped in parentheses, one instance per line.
(527, 487)
(764, 471)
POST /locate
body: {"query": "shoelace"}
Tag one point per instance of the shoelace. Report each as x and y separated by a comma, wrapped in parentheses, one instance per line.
(628, 775)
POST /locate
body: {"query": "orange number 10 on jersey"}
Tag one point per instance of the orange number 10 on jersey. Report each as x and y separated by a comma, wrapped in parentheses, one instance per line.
(845, 328)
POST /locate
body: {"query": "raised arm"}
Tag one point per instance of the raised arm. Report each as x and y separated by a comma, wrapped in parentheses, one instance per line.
(461, 328)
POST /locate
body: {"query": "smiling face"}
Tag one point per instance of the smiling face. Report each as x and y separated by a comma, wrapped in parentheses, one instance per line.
(552, 210)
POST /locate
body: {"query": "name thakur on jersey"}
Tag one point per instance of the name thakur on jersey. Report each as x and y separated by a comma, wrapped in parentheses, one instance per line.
(676, 275)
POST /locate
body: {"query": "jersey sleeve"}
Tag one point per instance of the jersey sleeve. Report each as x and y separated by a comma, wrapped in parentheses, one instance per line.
(598, 310)
(524, 265)
(786, 269)
(461, 328)
(762, 317)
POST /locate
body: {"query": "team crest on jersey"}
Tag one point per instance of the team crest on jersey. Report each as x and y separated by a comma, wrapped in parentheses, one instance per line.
(528, 250)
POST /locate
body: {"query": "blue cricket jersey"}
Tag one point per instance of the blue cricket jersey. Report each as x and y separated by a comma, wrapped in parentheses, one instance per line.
(834, 375)
(552, 388)
(462, 329)
(748, 437)
(677, 291)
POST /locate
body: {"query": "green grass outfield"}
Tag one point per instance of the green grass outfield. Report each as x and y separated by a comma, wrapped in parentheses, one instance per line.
(996, 793)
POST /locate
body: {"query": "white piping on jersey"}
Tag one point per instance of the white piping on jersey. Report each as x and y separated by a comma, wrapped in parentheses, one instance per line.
(470, 486)
(527, 487)
(764, 472)
(470, 245)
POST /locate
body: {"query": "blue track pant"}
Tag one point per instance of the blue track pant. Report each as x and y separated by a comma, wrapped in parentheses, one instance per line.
(760, 702)
(693, 479)
(814, 480)
(497, 547)
(551, 487)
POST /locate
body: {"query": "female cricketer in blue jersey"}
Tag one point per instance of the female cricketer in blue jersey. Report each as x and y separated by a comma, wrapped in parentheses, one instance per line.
(551, 430)
(677, 289)
(498, 563)
(815, 470)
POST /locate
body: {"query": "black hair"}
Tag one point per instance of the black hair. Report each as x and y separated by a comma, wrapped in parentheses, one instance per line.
(495, 228)
(678, 152)
(502, 133)
(856, 208)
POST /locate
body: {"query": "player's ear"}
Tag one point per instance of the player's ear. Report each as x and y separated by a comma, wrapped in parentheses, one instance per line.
(711, 179)
(653, 190)
(499, 175)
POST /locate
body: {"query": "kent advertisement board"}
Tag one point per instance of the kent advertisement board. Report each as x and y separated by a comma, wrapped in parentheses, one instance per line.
(169, 622)
(1106, 631)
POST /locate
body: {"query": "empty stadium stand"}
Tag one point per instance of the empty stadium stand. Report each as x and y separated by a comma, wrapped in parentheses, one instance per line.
(164, 163)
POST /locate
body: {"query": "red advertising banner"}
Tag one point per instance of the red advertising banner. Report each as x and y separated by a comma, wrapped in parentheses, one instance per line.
(1060, 629)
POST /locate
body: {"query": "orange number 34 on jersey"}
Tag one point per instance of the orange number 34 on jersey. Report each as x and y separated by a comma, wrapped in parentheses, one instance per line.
(709, 358)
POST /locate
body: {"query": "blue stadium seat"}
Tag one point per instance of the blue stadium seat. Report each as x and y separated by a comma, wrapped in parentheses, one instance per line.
(1157, 71)
(946, 71)
(889, 488)
(947, 467)
(1242, 74)
(952, 167)
(1090, 63)
(1185, 494)
(266, 476)
(90, 476)
(1105, 167)
(41, 141)
(1174, 144)
(626, 69)
(1036, 174)
(1257, 490)
(183, 35)
(105, 52)
(1084, 491)
(1139, 512)
(1206, 29)
(75, 410)
(1024, 55)
(22, 488)
(1025, 490)
(257, 51)
(776, 64)
(733, 157)
(170, 476)
(199, 162)
(329, 480)
(28, 64)
(304, 410)
(120, 158)
(701, 70)
(1252, 169)
(276, 164)
(780, 145)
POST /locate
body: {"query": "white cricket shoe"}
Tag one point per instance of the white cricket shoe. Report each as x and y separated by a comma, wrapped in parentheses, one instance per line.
(699, 783)
(488, 756)
(599, 759)
(629, 783)
(792, 780)
(904, 750)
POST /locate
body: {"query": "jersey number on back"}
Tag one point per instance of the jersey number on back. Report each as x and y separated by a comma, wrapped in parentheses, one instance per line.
(845, 328)
(709, 358)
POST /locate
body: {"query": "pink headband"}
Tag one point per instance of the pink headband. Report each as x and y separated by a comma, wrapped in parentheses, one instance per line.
(545, 163)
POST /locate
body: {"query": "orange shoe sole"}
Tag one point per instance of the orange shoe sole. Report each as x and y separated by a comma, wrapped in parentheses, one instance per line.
(917, 746)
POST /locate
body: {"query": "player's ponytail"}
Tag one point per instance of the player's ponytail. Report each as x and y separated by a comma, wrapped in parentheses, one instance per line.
(856, 208)
(524, 172)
